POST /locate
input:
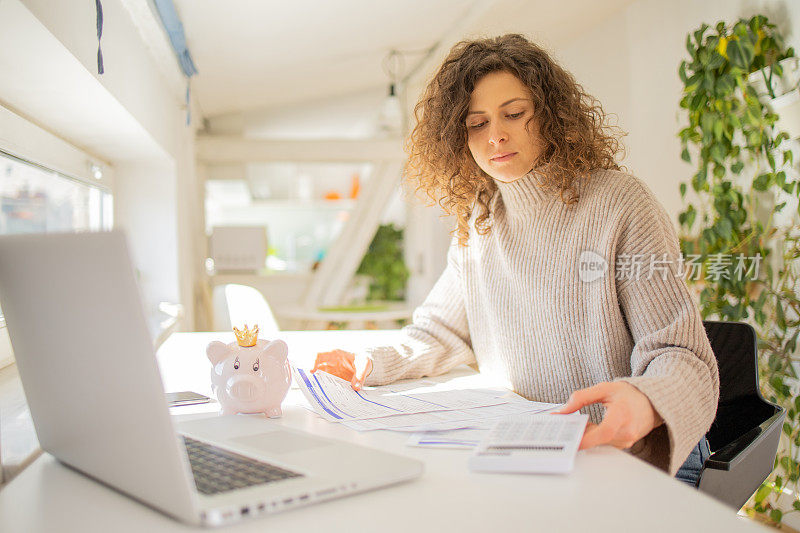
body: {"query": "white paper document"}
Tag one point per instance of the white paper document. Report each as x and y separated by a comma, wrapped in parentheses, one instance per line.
(538, 443)
(475, 418)
(335, 400)
(460, 439)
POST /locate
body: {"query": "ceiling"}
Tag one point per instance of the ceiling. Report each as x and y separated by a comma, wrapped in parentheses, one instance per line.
(258, 54)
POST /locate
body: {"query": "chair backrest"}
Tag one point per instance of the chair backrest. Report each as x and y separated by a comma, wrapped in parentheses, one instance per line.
(741, 406)
(247, 305)
(745, 434)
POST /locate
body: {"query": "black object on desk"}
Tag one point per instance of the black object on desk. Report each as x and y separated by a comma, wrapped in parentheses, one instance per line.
(175, 399)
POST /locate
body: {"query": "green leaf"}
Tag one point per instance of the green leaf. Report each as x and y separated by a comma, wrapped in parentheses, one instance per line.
(682, 68)
(796, 505)
(788, 157)
(725, 85)
(725, 228)
(718, 153)
(699, 180)
(737, 167)
(718, 126)
(762, 493)
(716, 60)
(761, 183)
(779, 316)
(690, 47)
(694, 82)
(685, 155)
(708, 80)
(683, 190)
(698, 35)
(697, 101)
(740, 54)
(791, 346)
(776, 515)
(757, 22)
(771, 161)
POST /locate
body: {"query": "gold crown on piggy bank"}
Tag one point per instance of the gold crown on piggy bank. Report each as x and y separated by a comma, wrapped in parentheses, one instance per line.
(246, 337)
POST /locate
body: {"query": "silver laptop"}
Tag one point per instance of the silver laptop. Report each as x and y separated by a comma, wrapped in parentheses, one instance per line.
(88, 367)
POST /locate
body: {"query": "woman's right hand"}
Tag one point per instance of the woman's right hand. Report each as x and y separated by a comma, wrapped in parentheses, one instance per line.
(348, 366)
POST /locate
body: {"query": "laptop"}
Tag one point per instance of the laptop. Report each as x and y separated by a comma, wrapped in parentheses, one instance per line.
(90, 375)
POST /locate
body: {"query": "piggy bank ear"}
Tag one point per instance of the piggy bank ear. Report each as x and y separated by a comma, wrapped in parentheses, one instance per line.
(276, 348)
(216, 351)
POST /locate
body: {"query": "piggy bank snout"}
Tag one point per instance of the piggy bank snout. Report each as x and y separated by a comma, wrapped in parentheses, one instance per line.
(245, 388)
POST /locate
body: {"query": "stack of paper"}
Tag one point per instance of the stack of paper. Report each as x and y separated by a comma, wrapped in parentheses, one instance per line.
(535, 444)
(397, 409)
(459, 439)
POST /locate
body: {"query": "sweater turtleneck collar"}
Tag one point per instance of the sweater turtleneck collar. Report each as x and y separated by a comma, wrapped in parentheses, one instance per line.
(523, 194)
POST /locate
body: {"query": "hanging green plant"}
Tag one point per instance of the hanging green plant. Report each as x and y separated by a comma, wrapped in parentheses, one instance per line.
(385, 265)
(745, 189)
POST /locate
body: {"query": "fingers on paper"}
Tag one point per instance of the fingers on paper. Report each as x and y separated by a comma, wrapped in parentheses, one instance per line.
(610, 431)
(582, 398)
(363, 366)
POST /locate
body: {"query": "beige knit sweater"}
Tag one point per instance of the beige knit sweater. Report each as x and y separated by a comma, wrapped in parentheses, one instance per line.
(517, 302)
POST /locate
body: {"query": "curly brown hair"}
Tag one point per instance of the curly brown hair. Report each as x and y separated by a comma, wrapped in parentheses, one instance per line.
(573, 128)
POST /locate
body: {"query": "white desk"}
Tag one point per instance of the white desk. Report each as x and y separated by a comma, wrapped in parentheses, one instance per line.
(607, 491)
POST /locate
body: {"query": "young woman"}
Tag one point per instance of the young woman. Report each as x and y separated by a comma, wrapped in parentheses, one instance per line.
(563, 278)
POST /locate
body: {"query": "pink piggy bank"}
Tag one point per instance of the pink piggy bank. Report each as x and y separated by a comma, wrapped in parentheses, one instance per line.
(250, 379)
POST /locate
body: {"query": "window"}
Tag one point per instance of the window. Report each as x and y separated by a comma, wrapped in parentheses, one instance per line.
(34, 199)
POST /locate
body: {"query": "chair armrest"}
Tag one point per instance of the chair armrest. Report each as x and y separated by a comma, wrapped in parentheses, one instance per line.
(733, 453)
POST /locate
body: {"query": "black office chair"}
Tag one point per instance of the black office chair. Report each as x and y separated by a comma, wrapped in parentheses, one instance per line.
(744, 436)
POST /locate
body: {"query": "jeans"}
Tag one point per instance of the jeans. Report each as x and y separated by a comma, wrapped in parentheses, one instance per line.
(690, 471)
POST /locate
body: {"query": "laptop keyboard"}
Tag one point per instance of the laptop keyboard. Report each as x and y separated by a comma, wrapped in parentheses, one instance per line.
(216, 470)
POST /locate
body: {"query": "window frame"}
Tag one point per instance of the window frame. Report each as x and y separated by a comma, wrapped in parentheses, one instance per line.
(28, 143)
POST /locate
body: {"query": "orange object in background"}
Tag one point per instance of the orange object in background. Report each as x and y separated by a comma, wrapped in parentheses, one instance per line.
(332, 195)
(355, 186)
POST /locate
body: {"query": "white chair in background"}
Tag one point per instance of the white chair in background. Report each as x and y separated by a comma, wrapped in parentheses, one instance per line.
(244, 304)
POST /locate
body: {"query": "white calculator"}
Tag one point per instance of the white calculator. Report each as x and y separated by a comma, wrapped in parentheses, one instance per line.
(532, 443)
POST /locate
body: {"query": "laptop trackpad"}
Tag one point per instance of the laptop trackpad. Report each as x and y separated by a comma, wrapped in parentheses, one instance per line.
(278, 442)
(251, 433)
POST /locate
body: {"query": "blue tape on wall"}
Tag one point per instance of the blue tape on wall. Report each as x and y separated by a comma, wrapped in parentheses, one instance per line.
(99, 7)
(174, 28)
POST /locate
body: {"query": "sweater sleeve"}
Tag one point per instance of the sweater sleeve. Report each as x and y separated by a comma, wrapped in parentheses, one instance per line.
(436, 341)
(671, 362)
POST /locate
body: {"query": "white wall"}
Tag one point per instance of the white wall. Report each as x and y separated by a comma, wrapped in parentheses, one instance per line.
(630, 63)
(137, 120)
(148, 216)
(342, 117)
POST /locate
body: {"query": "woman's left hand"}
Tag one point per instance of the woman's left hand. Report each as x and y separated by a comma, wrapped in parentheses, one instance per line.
(629, 414)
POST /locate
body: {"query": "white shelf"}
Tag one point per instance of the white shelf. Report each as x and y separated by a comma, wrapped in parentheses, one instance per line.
(254, 278)
(211, 149)
(315, 205)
